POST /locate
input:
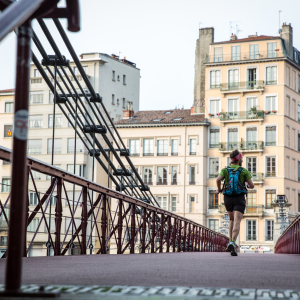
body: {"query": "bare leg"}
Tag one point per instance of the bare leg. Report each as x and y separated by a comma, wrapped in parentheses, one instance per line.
(238, 216)
(231, 221)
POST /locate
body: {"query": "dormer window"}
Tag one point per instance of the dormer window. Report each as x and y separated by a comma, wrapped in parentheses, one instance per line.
(177, 119)
(157, 120)
(167, 112)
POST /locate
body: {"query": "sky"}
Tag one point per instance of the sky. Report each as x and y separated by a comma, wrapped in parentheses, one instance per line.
(160, 37)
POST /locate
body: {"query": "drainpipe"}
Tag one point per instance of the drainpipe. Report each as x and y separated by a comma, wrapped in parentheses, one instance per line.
(184, 166)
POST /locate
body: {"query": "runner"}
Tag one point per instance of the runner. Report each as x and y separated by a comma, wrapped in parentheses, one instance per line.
(234, 191)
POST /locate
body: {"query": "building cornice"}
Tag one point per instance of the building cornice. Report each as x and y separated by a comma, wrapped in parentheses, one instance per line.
(207, 123)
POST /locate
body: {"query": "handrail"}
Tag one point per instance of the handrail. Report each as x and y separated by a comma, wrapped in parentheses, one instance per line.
(16, 14)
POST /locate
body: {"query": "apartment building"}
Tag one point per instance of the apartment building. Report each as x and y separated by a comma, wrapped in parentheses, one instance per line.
(116, 80)
(166, 147)
(251, 88)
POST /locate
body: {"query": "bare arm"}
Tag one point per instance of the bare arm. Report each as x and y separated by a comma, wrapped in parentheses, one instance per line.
(218, 181)
(251, 184)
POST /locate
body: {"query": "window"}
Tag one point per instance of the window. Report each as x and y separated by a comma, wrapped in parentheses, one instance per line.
(57, 146)
(288, 106)
(80, 170)
(252, 166)
(69, 223)
(33, 199)
(162, 173)
(113, 75)
(148, 147)
(113, 99)
(174, 147)
(9, 107)
(213, 167)
(215, 79)
(214, 107)
(147, 174)
(251, 103)
(162, 147)
(37, 73)
(251, 78)
(124, 79)
(270, 198)
(299, 84)
(58, 121)
(118, 102)
(298, 170)
(3, 240)
(74, 196)
(253, 52)
(214, 138)
(232, 138)
(218, 54)
(176, 119)
(76, 71)
(233, 77)
(269, 230)
(51, 226)
(213, 200)
(162, 202)
(133, 177)
(288, 74)
(167, 112)
(123, 105)
(36, 98)
(298, 201)
(8, 130)
(79, 145)
(294, 79)
(81, 119)
(36, 121)
(192, 146)
(251, 230)
(213, 225)
(157, 120)
(251, 201)
(251, 138)
(32, 227)
(233, 107)
(5, 185)
(271, 166)
(271, 50)
(271, 75)
(235, 53)
(36, 175)
(270, 135)
(174, 175)
(271, 103)
(34, 146)
(173, 204)
(134, 147)
(192, 204)
(192, 175)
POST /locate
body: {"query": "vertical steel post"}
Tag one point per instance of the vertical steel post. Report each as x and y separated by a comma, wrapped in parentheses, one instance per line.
(162, 221)
(120, 222)
(179, 237)
(19, 169)
(58, 217)
(26, 215)
(174, 234)
(132, 236)
(103, 225)
(153, 232)
(169, 234)
(189, 237)
(193, 238)
(184, 236)
(144, 230)
(84, 220)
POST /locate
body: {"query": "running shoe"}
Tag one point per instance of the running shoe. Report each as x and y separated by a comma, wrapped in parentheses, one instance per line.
(234, 252)
(230, 246)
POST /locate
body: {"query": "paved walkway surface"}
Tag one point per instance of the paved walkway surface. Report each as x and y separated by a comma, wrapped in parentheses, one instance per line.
(214, 270)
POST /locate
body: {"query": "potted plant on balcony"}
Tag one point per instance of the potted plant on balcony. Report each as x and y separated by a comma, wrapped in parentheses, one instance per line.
(274, 111)
(253, 109)
(266, 112)
(242, 144)
(211, 115)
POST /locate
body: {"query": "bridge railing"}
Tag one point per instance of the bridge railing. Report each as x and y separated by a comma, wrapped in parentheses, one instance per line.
(289, 241)
(99, 220)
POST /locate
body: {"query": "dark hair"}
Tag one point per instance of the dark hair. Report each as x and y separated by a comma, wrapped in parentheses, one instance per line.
(234, 153)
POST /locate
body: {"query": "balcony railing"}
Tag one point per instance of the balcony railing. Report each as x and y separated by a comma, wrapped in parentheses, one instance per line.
(134, 154)
(148, 182)
(270, 174)
(192, 182)
(251, 237)
(192, 153)
(243, 146)
(269, 238)
(268, 206)
(254, 209)
(242, 115)
(174, 153)
(244, 56)
(213, 175)
(162, 154)
(243, 85)
(162, 183)
(211, 206)
(174, 182)
(34, 150)
(148, 154)
(213, 145)
(257, 177)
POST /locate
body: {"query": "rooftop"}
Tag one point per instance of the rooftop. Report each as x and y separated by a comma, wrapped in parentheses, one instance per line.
(171, 116)
(7, 91)
(249, 39)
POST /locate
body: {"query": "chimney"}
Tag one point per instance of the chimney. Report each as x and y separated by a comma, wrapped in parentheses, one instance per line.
(287, 35)
(192, 110)
(233, 37)
(128, 113)
(252, 36)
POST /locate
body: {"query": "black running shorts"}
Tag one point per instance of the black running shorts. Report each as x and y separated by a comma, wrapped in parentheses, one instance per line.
(237, 203)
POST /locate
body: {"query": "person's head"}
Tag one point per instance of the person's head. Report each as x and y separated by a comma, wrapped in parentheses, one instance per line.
(236, 158)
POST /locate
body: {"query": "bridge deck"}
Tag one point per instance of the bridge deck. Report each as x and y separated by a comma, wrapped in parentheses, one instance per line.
(279, 271)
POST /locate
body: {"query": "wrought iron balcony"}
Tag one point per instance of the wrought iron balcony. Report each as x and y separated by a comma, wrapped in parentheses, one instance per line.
(213, 145)
(174, 182)
(134, 154)
(174, 153)
(254, 209)
(242, 87)
(148, 154)
(257, 177)
(192, 153)
(162, 183)
(269, 238)
(213, 175)
(162, 154)
(148, 182)
(211, 206)
(192, 182)
(251, 237)
(268, 206)
(242, 116)
(253, 146)
(270, 174)
(255, 55)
